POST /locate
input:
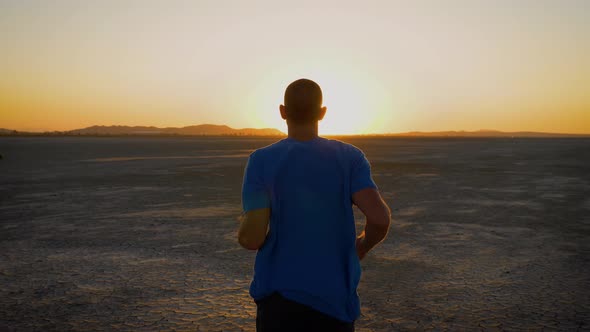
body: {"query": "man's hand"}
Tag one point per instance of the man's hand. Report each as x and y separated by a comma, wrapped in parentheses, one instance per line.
(361, 250)
(378, 219)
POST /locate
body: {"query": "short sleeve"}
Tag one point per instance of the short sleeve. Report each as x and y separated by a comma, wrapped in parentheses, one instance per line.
(361, 174)
(254, 193)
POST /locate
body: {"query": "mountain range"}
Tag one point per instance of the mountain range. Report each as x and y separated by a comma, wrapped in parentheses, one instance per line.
(198, 130)
(223, 130)
(485, 133)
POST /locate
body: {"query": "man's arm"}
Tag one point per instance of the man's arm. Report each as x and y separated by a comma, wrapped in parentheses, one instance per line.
(253, 228)
(256, 204)
(378, 216)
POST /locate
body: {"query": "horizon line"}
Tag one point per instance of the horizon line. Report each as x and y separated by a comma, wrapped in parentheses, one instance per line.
(411, 132)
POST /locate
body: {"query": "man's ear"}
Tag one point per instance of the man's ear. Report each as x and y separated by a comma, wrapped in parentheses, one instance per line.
(322, 113)
(283, 110)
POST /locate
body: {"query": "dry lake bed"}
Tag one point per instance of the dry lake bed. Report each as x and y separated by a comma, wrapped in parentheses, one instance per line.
(136, 233)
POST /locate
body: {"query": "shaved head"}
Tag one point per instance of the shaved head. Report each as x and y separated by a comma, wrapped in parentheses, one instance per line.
(303, 101)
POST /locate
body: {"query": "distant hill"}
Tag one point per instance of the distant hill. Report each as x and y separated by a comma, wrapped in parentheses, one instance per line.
(223, 130)
(198, 130)
(484, 133)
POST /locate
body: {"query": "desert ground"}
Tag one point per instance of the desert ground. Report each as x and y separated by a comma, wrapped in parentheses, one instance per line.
(139, 233)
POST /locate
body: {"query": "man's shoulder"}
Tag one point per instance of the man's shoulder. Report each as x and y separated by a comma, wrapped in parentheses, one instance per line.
(269, 149)
(338, 146)
(344, 147)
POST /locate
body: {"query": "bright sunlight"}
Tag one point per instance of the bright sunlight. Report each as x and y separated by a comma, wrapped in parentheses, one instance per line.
(356, 102)
(349, 109)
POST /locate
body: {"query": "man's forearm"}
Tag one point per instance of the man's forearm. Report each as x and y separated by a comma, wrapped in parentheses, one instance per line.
(374, 234)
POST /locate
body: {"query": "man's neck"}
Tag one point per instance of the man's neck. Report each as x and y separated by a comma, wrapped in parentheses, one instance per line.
(304, 132)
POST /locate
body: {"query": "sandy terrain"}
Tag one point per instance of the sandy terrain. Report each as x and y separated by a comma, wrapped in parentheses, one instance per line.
(139, 234)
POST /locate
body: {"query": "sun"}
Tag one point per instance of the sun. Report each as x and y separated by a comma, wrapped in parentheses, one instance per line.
(348, 108)
(357, 103)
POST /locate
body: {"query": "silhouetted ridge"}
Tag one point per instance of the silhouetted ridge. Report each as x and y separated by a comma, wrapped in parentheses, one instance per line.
(223, 130)
(202, 130)
(483, 133)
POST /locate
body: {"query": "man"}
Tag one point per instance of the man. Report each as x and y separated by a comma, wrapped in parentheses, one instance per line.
(297, 197)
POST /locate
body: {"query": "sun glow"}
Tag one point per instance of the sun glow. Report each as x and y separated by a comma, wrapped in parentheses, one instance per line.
(356, 102)
(349, 108)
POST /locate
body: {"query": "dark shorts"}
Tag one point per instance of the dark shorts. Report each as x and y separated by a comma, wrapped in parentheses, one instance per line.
(276, 313)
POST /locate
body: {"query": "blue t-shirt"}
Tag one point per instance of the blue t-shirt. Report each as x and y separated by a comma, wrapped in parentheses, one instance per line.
(309, 255)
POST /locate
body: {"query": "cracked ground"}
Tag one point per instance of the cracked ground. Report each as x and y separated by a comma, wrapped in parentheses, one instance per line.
(128, 234)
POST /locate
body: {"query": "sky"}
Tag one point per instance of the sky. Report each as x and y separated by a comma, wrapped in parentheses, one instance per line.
(384, 66)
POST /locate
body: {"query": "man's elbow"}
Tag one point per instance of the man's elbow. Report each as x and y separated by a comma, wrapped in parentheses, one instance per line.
(383, 218)
(249, 243)
(388, 216)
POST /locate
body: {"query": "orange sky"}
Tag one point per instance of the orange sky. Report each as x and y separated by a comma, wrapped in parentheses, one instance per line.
(385, 66)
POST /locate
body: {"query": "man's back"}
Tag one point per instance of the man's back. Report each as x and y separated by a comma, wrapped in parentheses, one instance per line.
(297, 198)
(309, 255)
